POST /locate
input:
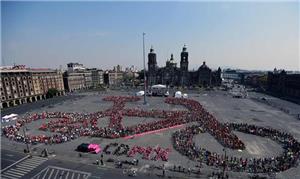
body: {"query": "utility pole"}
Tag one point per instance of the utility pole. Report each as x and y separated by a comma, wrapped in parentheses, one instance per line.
(25, 136)
(224, 162)
(145, 102)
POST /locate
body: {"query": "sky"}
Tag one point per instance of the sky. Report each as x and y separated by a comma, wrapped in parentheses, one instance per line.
(245, 35)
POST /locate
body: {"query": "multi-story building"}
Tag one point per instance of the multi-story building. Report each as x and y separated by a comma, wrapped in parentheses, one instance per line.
(180, 76)
(75, 66)
(77, 77)
(20, 85)
(97, 77)
(73, 81)
(45, 79)
(115, 78)
(283, 84)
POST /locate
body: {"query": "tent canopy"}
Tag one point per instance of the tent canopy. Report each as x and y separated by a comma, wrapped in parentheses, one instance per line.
(9, 116)
(178, 94)
(159, 86)
(140, 93)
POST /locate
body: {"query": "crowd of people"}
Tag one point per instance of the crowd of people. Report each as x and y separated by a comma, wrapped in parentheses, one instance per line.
(183, 142)
(69, 126)
(148, 153)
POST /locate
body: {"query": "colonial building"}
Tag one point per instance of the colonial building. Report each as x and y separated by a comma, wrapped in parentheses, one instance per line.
(283, 84)
(97, 77)
(73, 81)
(45, 79)
(180, 76)
(77, 77)
(20, 85)
(115, 78)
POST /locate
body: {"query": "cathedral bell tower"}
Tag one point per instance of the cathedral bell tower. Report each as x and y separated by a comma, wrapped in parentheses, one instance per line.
(184, 66)
(152, 67)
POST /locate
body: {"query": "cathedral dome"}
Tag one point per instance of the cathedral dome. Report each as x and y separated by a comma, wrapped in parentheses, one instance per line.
(203, 66)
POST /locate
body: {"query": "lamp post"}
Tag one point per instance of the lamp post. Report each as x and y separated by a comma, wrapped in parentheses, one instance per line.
(145, 102)
(25, 136)
(224, 162)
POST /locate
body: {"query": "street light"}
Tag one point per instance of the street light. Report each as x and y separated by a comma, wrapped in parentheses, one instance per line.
(224, 162)
(145, 102)
(25, 136)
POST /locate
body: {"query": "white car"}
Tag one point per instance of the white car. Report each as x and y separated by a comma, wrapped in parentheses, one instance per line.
(140, 93)
(167, 93)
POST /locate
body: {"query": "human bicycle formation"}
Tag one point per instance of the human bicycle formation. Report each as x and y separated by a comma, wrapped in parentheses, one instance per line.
(70, 126)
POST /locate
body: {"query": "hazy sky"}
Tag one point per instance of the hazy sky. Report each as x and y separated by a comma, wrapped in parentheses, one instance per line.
(249, 35)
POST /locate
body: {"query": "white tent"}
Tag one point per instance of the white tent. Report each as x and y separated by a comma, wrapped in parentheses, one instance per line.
(140, 93)
(158, 86)
(185, 95)
(10, 117)
(178, 94)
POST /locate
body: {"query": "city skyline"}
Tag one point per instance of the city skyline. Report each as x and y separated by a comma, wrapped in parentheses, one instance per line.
(248, 35)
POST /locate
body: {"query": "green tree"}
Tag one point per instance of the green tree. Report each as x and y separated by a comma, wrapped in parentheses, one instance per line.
(51, 92)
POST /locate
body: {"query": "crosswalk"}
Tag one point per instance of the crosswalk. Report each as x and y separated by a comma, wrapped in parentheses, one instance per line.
(21, 169)
(52, 172)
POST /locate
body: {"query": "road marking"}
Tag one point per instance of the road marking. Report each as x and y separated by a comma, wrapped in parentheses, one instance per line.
(50, 175)
(67, 174)
(7, 176)
(16, 170)
(57, 171)
(45, 173)
(13, 175)
(24, 169)
(23, 166)
(72, 175)
(33, 162)
(15, 163)
(26, 165)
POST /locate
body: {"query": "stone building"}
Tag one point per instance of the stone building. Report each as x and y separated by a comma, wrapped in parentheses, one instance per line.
(77, 77)
(283, 84)
(73, 81)
(20, 85)
(172, 75)
(97, 77)
(115, 78)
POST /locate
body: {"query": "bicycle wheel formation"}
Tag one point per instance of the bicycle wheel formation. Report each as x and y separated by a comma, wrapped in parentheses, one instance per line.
(70, 126)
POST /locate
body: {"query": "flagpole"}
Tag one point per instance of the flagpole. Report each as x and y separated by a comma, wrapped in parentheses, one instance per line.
(145, 102)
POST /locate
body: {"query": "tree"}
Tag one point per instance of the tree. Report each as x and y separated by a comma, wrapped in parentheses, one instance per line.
(51, 92)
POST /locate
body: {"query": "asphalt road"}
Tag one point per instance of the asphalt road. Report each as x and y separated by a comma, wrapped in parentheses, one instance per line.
(10, 157)
(53, 168)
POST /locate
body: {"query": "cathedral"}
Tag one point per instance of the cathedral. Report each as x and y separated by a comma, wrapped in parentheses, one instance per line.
(171, 75)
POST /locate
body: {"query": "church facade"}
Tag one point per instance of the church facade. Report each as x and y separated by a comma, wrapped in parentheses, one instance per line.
(171, 75)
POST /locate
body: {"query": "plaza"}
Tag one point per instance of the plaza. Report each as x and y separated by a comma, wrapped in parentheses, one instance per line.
(220, 104)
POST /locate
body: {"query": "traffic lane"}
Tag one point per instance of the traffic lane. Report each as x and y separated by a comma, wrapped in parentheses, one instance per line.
(9, 157)
(94, 171)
